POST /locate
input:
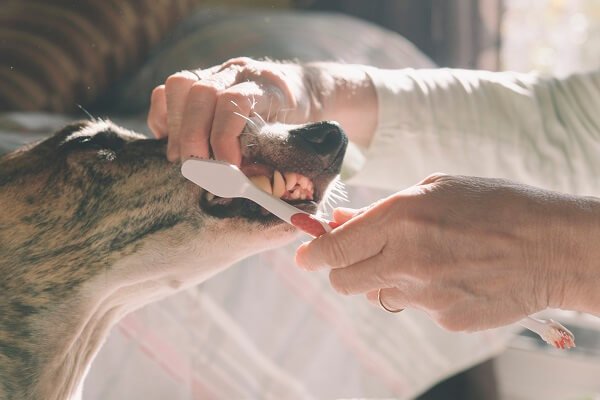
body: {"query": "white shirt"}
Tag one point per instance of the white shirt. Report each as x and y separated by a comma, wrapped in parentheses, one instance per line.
(539, 131)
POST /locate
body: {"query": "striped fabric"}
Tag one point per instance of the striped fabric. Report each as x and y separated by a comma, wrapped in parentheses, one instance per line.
(210, 37)
(60, 53)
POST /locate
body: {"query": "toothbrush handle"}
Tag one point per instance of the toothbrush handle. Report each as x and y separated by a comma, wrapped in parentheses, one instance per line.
(312, 225)
(306, 222)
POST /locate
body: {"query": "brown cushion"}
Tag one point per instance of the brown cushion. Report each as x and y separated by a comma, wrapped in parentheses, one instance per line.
(57, 54)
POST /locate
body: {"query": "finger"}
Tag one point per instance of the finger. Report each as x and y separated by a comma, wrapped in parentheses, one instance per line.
(201, 108)
(233, 109)
(392, 298)
(339, 248)
(341, 215)
(436, 176)
(361, 277)
(197, 121)
(157, 115)
(177, 88)
(278, 98)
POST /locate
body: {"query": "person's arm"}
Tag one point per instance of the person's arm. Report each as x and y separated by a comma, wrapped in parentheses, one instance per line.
(539, 131)
(204, 110)
(412, 122)
(472, 253)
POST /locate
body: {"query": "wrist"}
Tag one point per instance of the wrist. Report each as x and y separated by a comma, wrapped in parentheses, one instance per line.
(579, 264)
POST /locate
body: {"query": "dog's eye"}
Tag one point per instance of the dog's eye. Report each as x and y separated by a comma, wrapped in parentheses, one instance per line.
(106, 140)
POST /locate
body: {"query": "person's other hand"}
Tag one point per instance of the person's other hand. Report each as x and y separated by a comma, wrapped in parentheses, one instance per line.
(473, 253)
(205, 110)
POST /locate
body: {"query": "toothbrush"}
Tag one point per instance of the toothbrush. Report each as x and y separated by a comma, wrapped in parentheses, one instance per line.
(550, 331)
(226, 180)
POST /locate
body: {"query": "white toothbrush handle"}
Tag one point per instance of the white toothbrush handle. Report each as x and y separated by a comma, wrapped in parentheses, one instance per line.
(302, 220)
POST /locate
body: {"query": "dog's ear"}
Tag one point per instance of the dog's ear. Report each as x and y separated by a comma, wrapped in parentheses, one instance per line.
(32, 156)
(51, 145)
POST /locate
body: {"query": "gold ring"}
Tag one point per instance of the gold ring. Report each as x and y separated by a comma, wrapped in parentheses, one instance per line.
(383, 305)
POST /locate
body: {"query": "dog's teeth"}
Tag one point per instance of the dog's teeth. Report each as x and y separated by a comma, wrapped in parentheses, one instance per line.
(303, 182)
(291, 179)
(209, 196)
(278, 184)
(263, 183)
(303, 196)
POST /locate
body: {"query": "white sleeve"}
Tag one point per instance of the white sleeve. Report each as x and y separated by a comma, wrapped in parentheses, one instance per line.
(543, 132)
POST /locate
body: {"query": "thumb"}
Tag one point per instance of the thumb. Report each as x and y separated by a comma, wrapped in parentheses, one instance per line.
(342, 215)
(339, 248)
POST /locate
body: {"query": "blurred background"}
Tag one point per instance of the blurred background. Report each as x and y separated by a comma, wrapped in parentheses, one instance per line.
(106, 56)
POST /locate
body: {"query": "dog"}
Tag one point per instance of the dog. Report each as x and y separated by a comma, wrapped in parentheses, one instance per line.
(95, 223)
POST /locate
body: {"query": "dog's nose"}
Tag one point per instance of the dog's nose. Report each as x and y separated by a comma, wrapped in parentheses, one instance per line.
(324, 138)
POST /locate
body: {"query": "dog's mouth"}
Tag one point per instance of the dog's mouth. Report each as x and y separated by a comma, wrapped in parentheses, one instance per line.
(298, 189)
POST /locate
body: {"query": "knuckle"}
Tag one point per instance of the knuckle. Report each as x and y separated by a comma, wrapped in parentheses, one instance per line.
(335, 254)
(191, 136)
(203, 90)
(435, 177)
(219, 139)
(233, 100)
(338, 282)
(157, 93)
(241, 61)
(178, 79)
(452, 322)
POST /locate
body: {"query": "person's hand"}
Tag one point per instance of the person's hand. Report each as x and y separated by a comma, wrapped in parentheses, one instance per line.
(473, 253)
(206, 109)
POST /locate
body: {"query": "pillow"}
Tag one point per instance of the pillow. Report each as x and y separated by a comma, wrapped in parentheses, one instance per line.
(60, 53)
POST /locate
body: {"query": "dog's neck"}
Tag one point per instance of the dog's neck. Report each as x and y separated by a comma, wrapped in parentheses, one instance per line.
(63, 340)
(70, 336)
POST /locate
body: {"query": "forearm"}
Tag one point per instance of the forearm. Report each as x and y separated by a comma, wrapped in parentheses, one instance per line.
(580, 261)
(542, 132)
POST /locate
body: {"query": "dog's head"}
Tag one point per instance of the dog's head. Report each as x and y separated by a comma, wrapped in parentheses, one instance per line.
(94, 194)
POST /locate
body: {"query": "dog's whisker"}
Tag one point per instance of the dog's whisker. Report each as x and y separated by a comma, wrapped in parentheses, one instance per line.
(90, 116)
(263, 122)
(284, 110)
(252, 103)
(247, 119)
(236, 104)
(269, 112)
(339, 195)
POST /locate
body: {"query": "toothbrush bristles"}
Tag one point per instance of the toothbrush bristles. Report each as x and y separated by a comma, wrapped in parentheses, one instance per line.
(557, 336)
(551, 332)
